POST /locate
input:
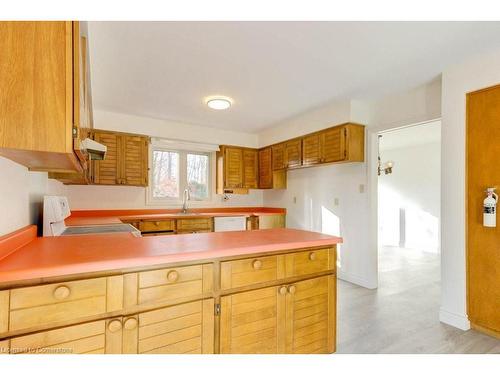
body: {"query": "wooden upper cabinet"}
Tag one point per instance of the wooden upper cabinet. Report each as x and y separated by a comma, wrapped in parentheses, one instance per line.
(333, 142)
(343, 143)
(250, 168)
(293, 153)
(107, 171)
(237, 169)
(134, 160)
(126, 161)
(38, 76)
(278, 156)
(265, 169)
(233, 160)
(311, 149)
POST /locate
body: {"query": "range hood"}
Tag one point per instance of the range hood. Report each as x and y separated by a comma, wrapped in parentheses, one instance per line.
(95, 150)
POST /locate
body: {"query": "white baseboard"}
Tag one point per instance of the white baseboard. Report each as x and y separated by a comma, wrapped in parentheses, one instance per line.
(355, 279)
(453, 319)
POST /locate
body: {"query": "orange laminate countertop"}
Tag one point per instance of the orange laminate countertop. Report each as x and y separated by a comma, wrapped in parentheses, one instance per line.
(54, 257)
(98, 217)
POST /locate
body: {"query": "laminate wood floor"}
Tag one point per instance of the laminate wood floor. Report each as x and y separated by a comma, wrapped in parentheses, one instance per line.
(402, 315)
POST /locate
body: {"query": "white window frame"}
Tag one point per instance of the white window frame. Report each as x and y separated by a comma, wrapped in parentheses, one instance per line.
(150, 200)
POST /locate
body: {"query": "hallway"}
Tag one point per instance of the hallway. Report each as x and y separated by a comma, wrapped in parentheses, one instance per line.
(401, 316)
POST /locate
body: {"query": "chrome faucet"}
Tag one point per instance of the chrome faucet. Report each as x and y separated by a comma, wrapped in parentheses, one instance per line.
(186, 196)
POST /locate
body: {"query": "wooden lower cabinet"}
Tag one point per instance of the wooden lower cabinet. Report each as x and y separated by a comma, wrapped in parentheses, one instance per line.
(87, 338)
(294, 318)
(268, 303)
(182, 329)
(272, 221)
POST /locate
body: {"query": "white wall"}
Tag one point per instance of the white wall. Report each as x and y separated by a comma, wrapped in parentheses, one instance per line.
(315, 189)
(327, 198)
(21, 195)
(482, 71)
(115, 197)
(414, 185)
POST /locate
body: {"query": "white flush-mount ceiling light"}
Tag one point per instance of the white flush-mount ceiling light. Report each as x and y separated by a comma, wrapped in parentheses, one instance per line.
(219, 102)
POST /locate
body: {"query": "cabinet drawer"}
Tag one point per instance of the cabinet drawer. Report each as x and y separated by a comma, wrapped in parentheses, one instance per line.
(58, 302)
(78, 339)
(237, 273)
(309, 262)
(155, 226)
(202, 224)
(174, 283)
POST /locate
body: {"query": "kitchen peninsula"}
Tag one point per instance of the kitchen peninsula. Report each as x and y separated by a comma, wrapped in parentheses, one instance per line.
(266, 291)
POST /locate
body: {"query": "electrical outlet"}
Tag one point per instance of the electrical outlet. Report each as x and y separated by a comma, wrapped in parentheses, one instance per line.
(295, 200)
(362, 188)
(336, 202)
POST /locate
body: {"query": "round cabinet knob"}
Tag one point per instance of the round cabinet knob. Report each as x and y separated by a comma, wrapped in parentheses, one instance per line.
(292, 289)
(62, 292)
(312, 256)
(157, 223)
(172, 276)
(130, 323)
(257, 264)
(115, 325)
(282, 290)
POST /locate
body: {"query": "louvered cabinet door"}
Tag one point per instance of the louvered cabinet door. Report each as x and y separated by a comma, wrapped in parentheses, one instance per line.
(250, 169)
(265, 169)
(333, 144)
(311, 150)
(278, 155)
(233, 167)
(87, 338)
(107, 171)
(134, 160)
(253, 322)
(187, 328)
(293, 153)
(311, 315)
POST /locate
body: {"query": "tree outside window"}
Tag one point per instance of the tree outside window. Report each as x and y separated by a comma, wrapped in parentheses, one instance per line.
(172, 171)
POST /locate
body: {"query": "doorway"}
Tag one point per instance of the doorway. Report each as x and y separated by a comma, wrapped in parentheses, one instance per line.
(409, 203)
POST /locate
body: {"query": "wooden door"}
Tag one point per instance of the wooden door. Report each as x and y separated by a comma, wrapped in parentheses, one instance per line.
(311, 316)
(107, 171)
(483, 259)
(265, 169)
(253, 322)
(185, 328)
(333, 144)
(250, 169)
(293, 153)
(278, 155)
(233, 167)
(134, 160)
(311, 149)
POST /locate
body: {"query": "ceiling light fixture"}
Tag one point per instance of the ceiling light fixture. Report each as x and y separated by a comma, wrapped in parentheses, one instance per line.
(219, 102)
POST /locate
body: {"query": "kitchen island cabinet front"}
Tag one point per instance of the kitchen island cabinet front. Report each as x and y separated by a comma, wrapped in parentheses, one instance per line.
(264, 297)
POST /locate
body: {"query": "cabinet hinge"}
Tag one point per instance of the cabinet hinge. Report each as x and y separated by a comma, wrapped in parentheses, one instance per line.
(217, 309)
